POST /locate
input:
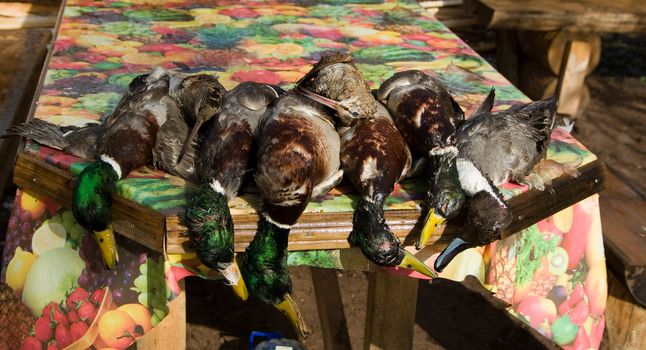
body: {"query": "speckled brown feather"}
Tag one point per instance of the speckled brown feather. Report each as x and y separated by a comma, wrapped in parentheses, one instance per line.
(298, 149)
(374, 155)
(337, 78)
(422, 109)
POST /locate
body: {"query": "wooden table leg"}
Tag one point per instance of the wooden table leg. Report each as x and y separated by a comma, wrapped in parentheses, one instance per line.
(170, 333)
(330, 308)
(390, 312)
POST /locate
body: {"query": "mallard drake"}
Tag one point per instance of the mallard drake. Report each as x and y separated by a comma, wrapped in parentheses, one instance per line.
(495, 148)
(374, 156)
(125, 140)
(223, 161)
(298, 159)
(427, 116)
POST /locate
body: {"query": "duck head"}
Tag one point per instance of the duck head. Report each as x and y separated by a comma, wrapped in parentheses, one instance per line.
(199, 96)
(92, 204)
(377, 242)
(347, 110)
(265, 272)
(445, 197)
(486, 218)
(210, 227)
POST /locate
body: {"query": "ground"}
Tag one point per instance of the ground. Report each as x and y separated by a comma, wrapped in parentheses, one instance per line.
(612, 127)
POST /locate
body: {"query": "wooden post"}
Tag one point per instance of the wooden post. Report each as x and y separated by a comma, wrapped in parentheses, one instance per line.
(390, 312)
(330, 308)
(170, 333)
(572, 77)
(625, 318)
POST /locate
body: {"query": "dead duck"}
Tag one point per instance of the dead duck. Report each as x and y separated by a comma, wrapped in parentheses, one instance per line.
(297, 159)
(495, 148)
(427, 116)
(223, 161)
(125, 140)
(374, 156)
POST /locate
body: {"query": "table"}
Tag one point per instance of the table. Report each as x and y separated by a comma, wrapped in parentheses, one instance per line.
(561, 39)
(101, 46)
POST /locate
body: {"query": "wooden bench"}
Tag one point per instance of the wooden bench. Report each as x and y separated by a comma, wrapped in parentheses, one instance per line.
(560, 38)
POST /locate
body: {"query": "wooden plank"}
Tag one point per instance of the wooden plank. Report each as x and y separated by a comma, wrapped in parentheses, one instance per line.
(135, 221)
(22, 53)
(623, 214)
(17, 15)
(390, 312)
(313, 230)
(170, 333)
(330, 308)
(619, 16)
(576, 59)
(625, 318)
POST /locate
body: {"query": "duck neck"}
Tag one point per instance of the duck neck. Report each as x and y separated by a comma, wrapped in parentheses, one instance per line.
(271, 240)
(210, 226)
(473, 181)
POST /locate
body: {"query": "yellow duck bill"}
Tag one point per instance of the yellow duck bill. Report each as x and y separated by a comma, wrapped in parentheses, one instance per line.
(433, 220)
(411, 262)
(233, 275)
(290, 309)
(108, 247)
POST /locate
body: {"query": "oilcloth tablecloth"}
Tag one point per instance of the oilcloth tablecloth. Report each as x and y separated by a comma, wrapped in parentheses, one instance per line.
(553, 273)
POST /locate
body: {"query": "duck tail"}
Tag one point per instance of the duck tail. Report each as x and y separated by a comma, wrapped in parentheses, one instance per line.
(42, 132)
(486, 105)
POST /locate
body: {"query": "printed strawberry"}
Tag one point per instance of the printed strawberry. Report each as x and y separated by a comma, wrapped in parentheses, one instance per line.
(52, 345)
(75, 297)
(47, 310)
(63, 338)
(59, 317)
(97, 296)
(86, 311)
(77, 330)
(72, 316)
(43, 330)
(31, 343)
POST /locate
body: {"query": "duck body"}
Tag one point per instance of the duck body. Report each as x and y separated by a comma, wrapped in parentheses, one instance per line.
(297, 159)
(494, 148)
(427, 116)
(224, 159)
(374, 156)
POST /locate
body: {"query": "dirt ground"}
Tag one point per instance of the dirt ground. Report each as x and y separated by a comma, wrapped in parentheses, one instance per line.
(612, 126)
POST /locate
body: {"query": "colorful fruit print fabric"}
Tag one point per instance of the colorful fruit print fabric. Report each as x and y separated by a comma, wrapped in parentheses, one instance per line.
(552, 273)
(55, 269)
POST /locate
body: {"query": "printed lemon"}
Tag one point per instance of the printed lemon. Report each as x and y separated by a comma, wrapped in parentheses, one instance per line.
(48, 236)
(18, 268)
